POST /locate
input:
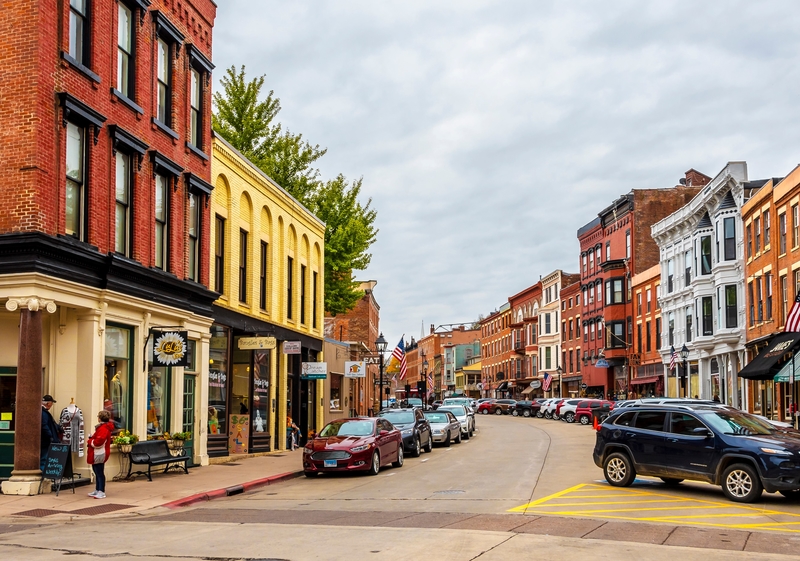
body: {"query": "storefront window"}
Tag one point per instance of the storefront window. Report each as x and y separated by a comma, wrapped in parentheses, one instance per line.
(336, 392)
(260, 391)
(218, 381)
(157, 400)
(117, 376)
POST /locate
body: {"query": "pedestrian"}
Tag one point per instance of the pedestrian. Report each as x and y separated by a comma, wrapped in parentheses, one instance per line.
(99, 451)
(51, 432)
(716, 398)
(292, 434)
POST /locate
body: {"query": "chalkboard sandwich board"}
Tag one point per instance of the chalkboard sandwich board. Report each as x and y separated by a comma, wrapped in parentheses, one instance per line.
(58, 465)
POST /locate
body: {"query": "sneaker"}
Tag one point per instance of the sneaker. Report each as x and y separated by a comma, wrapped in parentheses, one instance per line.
(93, 493)
(100, 495)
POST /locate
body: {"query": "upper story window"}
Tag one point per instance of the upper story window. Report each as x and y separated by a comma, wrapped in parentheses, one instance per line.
(194, 238)
(165, 173)
(757, 231)
(302, 294)
(199, 72)
(168, 43)
(547, 323)
(289, 278)
(125, 51)
(129, 151)
(687, 261)
(705, 255)
(729, 233)
(79, 31)
(638, 304)
(670, 274)
(599, 286)
(243, 251)
(614, 291)
(628, 244)
(749, 241)
(608, 251)
(731, 307)
(782, 233)
(591, 261)
(597, 255)
(649, 300)
(795, 225)
(314, 295)
(767, 239)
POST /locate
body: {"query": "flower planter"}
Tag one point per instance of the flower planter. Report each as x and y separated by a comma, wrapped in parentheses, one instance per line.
(125, 448)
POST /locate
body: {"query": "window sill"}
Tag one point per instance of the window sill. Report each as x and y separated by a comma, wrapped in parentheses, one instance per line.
(197, 151)
(80, 67)
(126, 101)
(164, 128)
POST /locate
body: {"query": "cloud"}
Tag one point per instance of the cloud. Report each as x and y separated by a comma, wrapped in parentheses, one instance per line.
(488, 132)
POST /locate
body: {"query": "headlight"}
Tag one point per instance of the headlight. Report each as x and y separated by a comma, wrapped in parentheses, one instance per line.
(408, 432)
(308, 451)
(437, 431)
(360, 448)
(776, 451)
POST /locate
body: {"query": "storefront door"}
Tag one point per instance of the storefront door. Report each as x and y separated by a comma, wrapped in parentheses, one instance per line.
(308, 413)
(189, 381)
(8, 399)
(259, 429)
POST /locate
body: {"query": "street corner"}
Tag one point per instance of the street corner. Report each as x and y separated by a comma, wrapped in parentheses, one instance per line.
(650, 501)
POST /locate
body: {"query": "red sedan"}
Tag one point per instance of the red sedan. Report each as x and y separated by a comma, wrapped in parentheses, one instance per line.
(360, 444)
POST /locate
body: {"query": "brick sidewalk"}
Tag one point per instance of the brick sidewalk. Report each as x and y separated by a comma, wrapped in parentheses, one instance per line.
(169, 490)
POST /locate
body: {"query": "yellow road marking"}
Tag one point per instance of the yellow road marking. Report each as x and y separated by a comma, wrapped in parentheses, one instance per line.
(595, 511)
(544, 499)
(620, 502)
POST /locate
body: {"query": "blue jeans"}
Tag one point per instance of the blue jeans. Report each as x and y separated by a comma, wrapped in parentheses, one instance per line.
(99, 477)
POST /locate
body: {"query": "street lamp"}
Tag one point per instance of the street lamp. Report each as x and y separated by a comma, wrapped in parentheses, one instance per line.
(559, 371)
(424, 380)
(685, 356)
(380, 346)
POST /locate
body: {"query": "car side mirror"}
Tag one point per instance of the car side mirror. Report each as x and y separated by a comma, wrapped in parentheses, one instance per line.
(702, 431)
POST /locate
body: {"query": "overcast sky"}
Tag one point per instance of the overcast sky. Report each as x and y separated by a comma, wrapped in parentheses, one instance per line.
(488, 132)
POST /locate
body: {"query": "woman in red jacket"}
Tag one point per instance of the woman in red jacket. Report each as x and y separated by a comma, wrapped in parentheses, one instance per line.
(101, 439)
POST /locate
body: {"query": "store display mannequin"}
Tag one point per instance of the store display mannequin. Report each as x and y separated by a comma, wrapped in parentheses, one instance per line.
(258, 421)
(71, 421)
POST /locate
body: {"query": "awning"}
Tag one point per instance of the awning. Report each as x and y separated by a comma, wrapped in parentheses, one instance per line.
(783, 373)
(645, 380)
(527, 390)
(764, 366)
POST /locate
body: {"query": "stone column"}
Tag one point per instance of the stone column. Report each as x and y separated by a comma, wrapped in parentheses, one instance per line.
(26, 477)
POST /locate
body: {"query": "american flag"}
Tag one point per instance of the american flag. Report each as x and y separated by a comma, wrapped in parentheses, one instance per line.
(793, 319)
(430, 383)
(673, 359)
(400, 354)
(547, 380)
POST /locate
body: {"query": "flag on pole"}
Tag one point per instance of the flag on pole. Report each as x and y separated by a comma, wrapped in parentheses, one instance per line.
(793, 319)
(673, 359)
(430, 383)
(547, 381)
(400, 354)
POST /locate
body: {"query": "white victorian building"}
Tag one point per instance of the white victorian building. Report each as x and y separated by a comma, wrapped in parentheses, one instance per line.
(702, 289)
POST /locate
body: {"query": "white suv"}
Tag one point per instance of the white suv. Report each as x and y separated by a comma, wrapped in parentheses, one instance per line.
(567, 411)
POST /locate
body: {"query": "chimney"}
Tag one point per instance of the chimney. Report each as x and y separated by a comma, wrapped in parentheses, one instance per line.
(461, 328)
(432, 329)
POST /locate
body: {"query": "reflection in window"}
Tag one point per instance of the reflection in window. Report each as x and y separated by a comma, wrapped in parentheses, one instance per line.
(157, 400)
(117, 376)
(218, 381)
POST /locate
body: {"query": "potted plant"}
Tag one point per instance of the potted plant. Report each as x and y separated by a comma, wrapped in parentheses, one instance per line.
(124, 440)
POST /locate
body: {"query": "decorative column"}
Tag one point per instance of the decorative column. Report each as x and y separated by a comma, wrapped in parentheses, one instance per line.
(26, 477)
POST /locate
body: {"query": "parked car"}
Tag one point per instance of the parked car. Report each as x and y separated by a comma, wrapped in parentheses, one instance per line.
(483, 399)
(497, 407)
(464, 417)
(543, 405)
(721, 446)
(445, 426)
(465, 401)
(526, 408)
(550, 408)
(584, 410)
(414, 427)
(362, 444)
(484, 406)
(435, 405)
(415, 402)
(566, 410)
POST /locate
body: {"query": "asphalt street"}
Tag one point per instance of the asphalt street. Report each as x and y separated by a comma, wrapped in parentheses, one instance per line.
(520, 485)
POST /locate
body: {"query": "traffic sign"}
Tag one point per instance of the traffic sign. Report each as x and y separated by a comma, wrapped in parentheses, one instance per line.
(584, 386)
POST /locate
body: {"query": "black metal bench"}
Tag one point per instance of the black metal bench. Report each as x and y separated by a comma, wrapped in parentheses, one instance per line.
(156, 453)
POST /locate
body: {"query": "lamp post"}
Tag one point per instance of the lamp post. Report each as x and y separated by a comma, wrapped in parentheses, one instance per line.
(380, 346)
(559, 371)
(424, 384)
(685, 356)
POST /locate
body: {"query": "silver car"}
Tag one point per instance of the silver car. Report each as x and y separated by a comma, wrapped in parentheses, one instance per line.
(444, 426)
(462, 413)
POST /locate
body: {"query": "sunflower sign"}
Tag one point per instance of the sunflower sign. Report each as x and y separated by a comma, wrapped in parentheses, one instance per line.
(170, 348)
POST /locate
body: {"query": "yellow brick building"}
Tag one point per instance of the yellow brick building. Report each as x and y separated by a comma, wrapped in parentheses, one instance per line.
(267, 262)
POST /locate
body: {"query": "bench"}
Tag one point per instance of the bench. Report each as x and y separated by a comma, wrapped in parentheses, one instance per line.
(156, 453)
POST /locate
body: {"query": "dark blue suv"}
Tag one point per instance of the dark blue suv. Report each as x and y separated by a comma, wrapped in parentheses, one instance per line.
(716, 444)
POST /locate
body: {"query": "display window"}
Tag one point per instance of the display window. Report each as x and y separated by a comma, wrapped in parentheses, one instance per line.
(260, 391)
(158, 400)
(218, 381)
(117, 375)
(336, 392)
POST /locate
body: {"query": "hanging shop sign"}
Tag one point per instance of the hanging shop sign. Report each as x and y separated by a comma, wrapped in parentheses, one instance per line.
(170, 348)
(313, 370)
(257, 343)
(355, 369)
(602, 363)
(536, 384)
(291, 347)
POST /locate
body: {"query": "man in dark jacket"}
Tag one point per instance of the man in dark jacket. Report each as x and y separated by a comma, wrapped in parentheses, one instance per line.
(51, 432)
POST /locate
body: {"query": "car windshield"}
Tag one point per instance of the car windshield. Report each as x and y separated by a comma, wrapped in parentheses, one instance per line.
(457, 410)
(348, 428)
(737, 422)
(415, 401)
(398, 417)
(437, 417)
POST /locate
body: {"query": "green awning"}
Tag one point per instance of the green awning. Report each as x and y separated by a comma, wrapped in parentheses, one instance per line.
(783, 373)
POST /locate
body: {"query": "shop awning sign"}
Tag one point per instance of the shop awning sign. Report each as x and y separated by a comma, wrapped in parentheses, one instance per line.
(291, 347)
(314, 371)
(257, 343)
(170, 348)
(355, 369)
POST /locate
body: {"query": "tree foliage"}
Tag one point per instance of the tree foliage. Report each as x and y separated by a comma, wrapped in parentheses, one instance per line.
(248, 123)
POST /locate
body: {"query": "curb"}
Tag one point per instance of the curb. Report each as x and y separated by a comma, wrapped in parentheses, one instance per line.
(233, 490)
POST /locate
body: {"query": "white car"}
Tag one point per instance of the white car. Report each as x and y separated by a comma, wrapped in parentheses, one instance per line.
(567, 411)
(545, 403)
(462, 413)
(550, 410)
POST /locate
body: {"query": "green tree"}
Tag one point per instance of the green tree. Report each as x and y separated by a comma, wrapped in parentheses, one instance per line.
(248, 123)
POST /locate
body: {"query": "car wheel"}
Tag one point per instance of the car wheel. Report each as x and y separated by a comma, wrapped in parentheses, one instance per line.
(417, 451)
(399, 462)
(375, 466)
(539, 414)
(514, 413)
(447, 442)
(467, 435)
(429, 445)
(526, 412)
(741, 483)
(671, 481)
(584, 419)
(548, 415)
(485, 412)
(792, 494)
(618, 470)
(570, 417)
(310, 473)
(458, 438)
(498, 411)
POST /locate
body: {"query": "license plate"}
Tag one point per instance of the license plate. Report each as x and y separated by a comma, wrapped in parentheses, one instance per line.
(329, 463)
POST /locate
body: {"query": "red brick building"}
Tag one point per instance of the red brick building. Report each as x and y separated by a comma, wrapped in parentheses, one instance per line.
(571, 330)
(614, 247)
(105, 213)
(524, 322)
(497, 355)
(646, 369)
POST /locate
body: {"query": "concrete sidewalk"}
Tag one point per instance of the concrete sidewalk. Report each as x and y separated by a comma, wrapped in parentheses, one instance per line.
(172, 490)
